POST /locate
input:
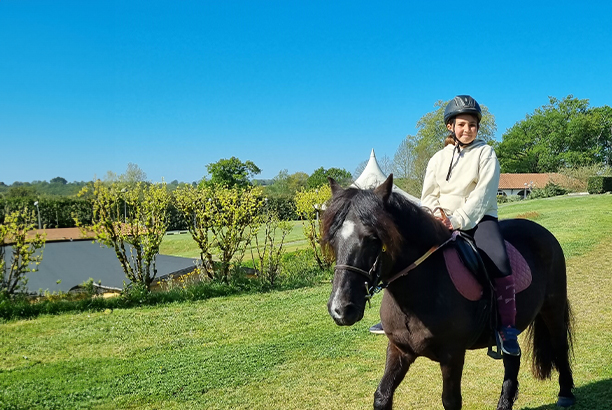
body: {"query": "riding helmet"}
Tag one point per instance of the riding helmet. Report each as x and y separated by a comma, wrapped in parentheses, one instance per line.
(462, 104)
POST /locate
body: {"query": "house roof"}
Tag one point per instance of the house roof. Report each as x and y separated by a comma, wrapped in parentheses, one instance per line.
(518, 181)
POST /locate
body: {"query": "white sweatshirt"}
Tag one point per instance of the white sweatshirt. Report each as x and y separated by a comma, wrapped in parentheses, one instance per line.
(471, 191)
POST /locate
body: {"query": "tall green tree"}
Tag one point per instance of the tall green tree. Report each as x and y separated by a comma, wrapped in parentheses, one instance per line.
(58, 180)
(319, 177)
(285, 184)
(279, 185)
(563, 134)
(297, 181)
(413, 154)
(231, 173)
(132, 175)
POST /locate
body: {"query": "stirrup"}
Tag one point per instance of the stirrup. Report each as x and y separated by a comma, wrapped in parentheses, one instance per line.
(495, 354)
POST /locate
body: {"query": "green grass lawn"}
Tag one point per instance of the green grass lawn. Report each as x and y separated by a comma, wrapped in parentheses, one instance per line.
(281, 350)
(181, 244)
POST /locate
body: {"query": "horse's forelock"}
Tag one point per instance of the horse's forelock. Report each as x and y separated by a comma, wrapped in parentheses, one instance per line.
(370, 210)
(334, 215)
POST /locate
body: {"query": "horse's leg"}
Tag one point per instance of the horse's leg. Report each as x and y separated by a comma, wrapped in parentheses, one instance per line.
(510, 387)
(396, 368)
(452, 369)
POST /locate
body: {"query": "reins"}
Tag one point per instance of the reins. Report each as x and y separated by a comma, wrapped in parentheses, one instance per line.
(416, 263)
(373, 276)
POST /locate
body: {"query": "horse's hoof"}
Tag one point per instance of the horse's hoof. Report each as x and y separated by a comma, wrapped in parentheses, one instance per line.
(566, 401)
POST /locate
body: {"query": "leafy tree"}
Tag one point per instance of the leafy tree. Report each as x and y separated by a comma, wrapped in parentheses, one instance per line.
(233, 222)
(279, 185)
(220, 219)
(21, 191)
(110, 177)
(562, 134)
(132, 175)
(270, 248)
(602, 118)
(231, 173)
(14, 232)
(133, 222)
(319, 177)
(58, 180)
(309, 204)
(409, 163)
(285, 185)
(195, 205)
(413, 154)
(297, 181)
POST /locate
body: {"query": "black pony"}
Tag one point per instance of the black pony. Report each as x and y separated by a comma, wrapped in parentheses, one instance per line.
(376, 234)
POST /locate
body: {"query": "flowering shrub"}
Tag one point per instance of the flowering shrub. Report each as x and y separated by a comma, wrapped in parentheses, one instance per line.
(14, 232)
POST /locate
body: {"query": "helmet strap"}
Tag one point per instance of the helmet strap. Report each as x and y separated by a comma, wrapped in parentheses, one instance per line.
(458, 149)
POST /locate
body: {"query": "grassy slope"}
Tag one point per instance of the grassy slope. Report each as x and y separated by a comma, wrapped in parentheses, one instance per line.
(281, 351)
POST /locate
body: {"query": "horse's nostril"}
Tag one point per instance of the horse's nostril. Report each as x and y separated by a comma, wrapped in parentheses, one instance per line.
(346, 315)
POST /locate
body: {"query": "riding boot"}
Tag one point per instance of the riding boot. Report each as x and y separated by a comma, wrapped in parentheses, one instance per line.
(506, 304)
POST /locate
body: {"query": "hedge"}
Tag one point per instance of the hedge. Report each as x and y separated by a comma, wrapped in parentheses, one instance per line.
(55, 212)
(599, 184)
(58, 212)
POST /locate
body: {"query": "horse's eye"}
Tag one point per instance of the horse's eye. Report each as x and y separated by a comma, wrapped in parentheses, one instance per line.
(372, 240)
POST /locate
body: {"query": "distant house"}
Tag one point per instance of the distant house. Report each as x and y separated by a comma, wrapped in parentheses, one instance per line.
(522, 184)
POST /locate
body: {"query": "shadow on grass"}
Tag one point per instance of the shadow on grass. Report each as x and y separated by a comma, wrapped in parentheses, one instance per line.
(594, 396)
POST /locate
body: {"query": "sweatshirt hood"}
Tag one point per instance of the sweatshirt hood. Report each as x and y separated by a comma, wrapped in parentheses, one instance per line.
(474, 144)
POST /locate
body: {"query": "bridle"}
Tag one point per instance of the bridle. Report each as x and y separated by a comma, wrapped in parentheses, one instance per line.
(373, 276)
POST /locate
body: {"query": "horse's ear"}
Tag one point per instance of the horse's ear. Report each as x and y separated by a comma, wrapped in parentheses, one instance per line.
(384, 190)
(335, 187)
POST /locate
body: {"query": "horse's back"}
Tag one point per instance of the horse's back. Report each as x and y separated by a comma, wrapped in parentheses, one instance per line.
(545, 258)
(537, 244)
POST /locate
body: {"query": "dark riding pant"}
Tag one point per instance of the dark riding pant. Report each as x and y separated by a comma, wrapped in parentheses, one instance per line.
(490, 244)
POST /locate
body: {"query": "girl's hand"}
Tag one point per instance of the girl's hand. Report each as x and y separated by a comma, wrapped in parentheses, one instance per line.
(444, 219)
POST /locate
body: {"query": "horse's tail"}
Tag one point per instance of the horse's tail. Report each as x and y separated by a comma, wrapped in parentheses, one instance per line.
(551, 346)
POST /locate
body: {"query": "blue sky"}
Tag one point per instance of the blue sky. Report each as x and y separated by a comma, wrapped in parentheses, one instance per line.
(89, 86)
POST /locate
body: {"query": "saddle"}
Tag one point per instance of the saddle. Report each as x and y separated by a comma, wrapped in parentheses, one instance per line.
(469, 275)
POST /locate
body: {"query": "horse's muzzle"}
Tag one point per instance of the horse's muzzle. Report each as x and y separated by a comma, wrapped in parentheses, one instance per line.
(344, 314)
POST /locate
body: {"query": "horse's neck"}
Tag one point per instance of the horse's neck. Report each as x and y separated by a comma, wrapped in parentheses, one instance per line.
(424, 231)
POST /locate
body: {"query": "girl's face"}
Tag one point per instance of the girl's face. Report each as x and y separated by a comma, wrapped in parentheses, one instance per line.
(465, 127)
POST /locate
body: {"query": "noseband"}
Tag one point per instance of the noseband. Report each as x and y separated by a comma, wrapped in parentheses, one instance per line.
(372, 276)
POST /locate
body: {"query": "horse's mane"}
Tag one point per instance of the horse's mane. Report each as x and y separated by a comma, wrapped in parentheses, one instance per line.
(397, 222)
